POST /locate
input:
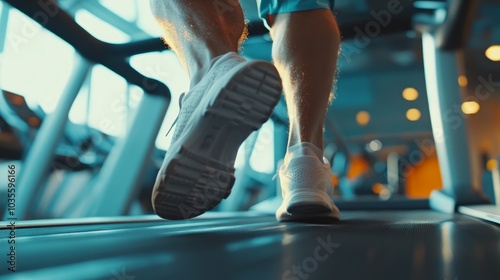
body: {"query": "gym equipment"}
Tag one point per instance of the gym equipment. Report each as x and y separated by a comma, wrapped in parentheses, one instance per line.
(365, 245)
(10, 146)
(376, 244)
(487, 212)
(441, 40)
(112, 192)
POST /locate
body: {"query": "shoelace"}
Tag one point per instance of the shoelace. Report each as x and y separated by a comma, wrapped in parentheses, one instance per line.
(181, 97)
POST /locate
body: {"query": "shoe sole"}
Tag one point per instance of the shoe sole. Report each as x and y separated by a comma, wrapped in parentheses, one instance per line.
(201, 172)
(308, 206)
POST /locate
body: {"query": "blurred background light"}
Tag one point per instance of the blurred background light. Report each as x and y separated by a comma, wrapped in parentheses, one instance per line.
(470, 107)
(413, 114)
(463, 81)
(493, 53)
(363, 118)
(410, 94)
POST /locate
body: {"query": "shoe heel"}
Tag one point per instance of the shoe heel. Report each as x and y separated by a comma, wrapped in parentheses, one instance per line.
(308, 202)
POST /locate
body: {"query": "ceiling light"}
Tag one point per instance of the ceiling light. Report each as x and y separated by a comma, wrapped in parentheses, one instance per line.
(410, 94)
(363, 118)
(413, 114)
(470, 107)
(463, 81)
(374, 146)
(493, 53)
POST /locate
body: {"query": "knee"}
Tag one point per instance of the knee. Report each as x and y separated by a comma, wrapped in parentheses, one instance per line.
(336, 37)
(235, 24)
(327, 28)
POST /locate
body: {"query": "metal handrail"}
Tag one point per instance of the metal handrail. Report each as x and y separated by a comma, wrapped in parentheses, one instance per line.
(113, 56)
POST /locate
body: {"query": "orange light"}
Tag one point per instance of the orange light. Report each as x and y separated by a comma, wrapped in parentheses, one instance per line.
(378, 188)
(363, 118)
(413, 114)
(493, 53)
(34, 122)
(16, 99)
(491, 164)
(335, 180)
(470, 107)
(463, 81)
(410, 94)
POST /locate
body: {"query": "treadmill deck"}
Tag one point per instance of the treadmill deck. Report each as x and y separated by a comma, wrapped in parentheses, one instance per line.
(364, 245)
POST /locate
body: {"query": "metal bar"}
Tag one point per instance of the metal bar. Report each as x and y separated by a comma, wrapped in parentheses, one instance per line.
(113, 19)
(496, 181)
(117, 182)
(4, 20)
(393, 175)
(53, 18)
(41, 153)
(138, 47)
(354, 28)
(123, 69)
(113, 56)
(449, 128)
(443, 92)
(454, 32)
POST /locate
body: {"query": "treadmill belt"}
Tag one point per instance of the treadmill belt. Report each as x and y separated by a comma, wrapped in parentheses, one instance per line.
(364, 245)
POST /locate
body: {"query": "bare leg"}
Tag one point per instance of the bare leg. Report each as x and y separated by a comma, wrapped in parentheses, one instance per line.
(198, 31)
(305, 53)
(231, 99)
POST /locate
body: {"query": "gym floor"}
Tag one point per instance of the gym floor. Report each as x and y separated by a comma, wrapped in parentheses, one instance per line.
(364, 245)
(404, 244)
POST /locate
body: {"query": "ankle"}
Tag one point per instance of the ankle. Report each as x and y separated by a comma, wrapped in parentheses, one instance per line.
(198, 74)
(202, 68)
(306, 148)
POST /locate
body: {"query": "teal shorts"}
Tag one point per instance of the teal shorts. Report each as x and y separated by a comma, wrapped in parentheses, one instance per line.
(274, 7)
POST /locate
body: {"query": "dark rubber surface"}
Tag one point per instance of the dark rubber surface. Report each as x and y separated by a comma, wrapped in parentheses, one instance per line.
(364, 245)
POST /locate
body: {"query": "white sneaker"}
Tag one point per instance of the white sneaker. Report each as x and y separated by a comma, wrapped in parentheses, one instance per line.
(306, 186)
(233, 99)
